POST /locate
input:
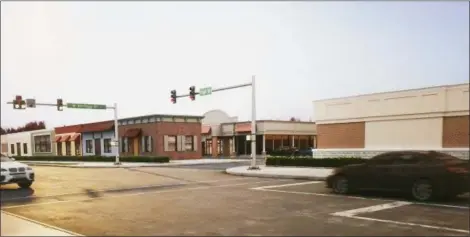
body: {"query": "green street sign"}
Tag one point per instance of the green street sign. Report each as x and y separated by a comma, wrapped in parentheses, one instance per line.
(85, 106)
(205, 91)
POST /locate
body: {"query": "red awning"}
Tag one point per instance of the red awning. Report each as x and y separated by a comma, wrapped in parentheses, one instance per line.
(205, 129)
(58, 138)
(243, 127)
(133, 132)
(65, 138)
(74, 137)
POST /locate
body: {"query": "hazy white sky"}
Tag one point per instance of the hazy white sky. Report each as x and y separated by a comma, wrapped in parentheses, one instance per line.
(134, 53)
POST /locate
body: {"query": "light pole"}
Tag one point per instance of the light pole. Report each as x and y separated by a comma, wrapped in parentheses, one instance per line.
(208, 90)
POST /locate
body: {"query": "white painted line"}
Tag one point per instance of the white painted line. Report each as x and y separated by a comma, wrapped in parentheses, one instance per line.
(411, 224)
(286, 185)
(42, 223)
(123, 188)
(135, 194)
(361, 198)
(369, 209)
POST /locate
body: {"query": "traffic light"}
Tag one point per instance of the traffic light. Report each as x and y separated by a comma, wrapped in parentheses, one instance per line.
(19, 103)
(60, 105)
(173, 96)
(192, 92)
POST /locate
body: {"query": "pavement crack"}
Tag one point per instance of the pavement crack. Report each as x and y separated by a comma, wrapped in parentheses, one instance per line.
(162, 175)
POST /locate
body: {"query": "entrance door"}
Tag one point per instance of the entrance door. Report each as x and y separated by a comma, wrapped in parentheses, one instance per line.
(18, 148)
(136, 146)
(97, 147)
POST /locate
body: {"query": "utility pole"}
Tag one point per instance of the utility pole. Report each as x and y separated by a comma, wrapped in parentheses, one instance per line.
(208, 90)
(19, 103)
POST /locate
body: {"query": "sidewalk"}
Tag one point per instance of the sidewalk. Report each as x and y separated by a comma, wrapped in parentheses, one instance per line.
(12, 225)
(110, 164)
(282, 172)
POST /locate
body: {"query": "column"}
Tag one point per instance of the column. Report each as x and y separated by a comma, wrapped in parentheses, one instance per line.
(214, 147)
(72, 148)
(292, 141)
(234, 153)
(64, 149)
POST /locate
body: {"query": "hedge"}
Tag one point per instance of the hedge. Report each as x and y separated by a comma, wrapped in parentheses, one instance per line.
(313, 162)
(153, 159)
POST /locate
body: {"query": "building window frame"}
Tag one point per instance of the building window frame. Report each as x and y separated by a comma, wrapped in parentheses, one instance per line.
(68, 148)
(147, 143)
(89, 146)
(124, 144)
(172, 143)
(189, 143)
(25, 148)
(12, 149)
(107, 148)
(42, 143)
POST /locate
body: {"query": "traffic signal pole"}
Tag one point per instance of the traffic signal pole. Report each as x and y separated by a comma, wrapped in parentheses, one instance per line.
(87, 106)
(253, 165)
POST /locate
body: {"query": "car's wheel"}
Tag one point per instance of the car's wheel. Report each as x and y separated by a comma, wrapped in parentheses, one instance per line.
(341, 185)
(422, 190)
(25, 184)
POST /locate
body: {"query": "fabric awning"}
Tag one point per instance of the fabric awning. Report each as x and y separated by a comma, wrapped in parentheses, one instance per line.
(58, 138)
(75, 137)
(243, 127)
(205, 129)
(133, 132)
(65, 138)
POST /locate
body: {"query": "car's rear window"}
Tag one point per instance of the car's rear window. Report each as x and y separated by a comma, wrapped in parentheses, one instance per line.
(443, 157)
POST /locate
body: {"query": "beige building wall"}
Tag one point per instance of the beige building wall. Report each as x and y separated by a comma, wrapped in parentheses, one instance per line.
(418, 103)
(287, 128)
(404, 134)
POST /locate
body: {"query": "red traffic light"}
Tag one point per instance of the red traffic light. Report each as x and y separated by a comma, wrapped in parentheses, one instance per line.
(60, 105)
(18, 102)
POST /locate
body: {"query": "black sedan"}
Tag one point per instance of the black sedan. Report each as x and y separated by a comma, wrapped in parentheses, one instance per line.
(424, 176)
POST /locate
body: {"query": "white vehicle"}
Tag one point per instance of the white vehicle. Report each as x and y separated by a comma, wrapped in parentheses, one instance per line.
(15, 172)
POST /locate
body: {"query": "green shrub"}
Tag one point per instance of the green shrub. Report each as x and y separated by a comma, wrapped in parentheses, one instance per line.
(153, 159)
(313, 162)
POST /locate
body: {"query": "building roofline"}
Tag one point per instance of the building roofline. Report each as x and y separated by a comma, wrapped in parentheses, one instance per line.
(387, 92)
(270, 120)
(135, 117)
(163, 115)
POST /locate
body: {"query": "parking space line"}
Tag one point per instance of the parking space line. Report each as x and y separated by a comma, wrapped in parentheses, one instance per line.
(117, 189)
(368, 209)
(410, 224)
(287, 185)
(265, 189)
(42, 224)
(136, 194)
(353, 213)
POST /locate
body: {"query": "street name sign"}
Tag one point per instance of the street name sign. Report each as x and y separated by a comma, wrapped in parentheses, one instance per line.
(85, 106)
(205, 91)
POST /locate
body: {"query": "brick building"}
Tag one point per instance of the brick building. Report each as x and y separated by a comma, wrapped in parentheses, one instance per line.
(176, 136)
(434, 118)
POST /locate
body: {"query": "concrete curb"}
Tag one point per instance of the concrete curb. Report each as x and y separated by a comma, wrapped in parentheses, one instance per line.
(276, 176)
(126, 166)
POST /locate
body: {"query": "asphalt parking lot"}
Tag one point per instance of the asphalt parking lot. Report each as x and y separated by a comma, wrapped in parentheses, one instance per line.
(192, 201)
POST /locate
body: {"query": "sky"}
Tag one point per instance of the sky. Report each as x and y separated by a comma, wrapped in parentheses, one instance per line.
(135, 53)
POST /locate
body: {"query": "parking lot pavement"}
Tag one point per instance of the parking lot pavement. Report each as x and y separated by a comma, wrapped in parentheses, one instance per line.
(452, 216)
(208, 202)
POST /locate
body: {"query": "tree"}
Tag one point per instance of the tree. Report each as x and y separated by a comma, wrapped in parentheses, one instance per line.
(31, 126)
(294, 119)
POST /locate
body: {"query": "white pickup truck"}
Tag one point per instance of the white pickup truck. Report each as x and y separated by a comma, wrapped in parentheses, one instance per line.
(15, 172)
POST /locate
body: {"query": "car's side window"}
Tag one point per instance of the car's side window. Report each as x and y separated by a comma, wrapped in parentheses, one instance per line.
(386, 159)
(407, 159)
